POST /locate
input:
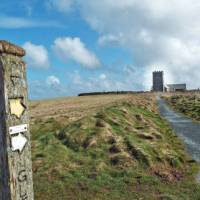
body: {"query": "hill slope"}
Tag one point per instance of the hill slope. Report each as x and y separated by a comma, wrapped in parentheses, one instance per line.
(121, 150)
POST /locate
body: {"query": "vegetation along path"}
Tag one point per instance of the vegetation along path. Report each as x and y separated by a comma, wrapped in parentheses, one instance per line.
(187, 129)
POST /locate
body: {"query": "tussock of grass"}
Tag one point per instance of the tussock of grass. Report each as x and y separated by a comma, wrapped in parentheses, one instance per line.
(122, 152)
(186, 104)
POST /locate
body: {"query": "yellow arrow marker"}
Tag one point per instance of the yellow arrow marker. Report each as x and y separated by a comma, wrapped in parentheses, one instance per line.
(16, 107)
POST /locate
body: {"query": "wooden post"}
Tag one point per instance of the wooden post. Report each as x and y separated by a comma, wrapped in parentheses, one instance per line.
(15, 149)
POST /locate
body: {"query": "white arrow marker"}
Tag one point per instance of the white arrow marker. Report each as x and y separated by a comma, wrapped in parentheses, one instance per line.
(18, 142)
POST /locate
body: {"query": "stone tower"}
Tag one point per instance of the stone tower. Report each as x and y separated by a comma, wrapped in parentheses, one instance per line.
(158, 81)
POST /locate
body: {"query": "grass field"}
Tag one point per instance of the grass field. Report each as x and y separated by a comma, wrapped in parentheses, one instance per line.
(188, 104)
(108, 147)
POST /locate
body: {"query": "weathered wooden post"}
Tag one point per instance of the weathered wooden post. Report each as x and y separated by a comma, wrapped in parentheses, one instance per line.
(15, 150)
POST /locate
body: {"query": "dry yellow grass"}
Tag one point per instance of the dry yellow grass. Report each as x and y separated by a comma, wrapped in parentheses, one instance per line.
(73, 108)
(186, 103)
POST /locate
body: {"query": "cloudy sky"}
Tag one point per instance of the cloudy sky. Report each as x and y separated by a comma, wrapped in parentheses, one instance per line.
(78, 46)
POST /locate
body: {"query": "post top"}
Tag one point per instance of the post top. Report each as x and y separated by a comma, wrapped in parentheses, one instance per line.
(7, 47)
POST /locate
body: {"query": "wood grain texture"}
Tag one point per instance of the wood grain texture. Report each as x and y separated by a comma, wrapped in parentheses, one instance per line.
(16, 168)
(8, 48)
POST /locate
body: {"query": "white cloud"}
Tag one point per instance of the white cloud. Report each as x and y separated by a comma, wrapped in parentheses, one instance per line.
(52, 84)
(161, 31)
(10, 22)
(53, 81)
(37, 55)
(74, 49)
(63, 6)
(102, 76)
(110, 39)
(97, 83)
(77, 78)
(129, 69)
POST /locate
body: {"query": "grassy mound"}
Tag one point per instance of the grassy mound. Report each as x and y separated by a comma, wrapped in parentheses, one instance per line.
(186, 104)
(122, 152)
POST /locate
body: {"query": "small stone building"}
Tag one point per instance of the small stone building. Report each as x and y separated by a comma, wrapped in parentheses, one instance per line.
(176, 87)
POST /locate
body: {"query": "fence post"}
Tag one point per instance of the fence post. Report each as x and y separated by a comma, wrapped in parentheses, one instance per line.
(15, 149)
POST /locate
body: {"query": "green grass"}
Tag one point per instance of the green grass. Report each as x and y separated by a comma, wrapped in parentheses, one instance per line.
(186, 104)
(123, 152)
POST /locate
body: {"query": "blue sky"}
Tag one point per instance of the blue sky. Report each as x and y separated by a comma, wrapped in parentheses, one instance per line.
(78, 46)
